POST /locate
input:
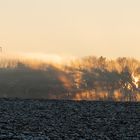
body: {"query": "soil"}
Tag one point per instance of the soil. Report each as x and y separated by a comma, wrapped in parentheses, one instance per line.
(27, 119)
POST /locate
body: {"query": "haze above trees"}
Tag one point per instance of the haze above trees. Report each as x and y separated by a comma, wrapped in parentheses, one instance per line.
(88, 78)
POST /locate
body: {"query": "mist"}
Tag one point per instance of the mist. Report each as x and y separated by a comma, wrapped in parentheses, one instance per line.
(55, 77)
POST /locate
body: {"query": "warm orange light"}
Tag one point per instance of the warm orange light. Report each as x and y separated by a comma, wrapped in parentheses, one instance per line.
(136, 79)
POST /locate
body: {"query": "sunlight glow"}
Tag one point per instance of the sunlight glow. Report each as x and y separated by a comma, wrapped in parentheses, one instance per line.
(44, 57)
(136, 79)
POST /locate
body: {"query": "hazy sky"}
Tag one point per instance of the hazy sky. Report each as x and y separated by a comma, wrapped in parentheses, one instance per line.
(72, 27)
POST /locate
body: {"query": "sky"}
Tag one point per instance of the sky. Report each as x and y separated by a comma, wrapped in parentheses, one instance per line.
(109, 28)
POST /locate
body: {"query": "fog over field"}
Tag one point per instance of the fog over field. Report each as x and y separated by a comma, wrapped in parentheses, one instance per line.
(69, 69)
(55, 77)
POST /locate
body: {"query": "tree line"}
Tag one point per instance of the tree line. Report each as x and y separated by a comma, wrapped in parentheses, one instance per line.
(88, 78)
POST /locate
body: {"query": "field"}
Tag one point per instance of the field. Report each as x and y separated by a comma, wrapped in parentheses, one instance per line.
(26, 119)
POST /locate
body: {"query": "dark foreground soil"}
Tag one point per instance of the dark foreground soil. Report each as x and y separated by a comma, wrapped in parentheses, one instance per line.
(68, 120)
